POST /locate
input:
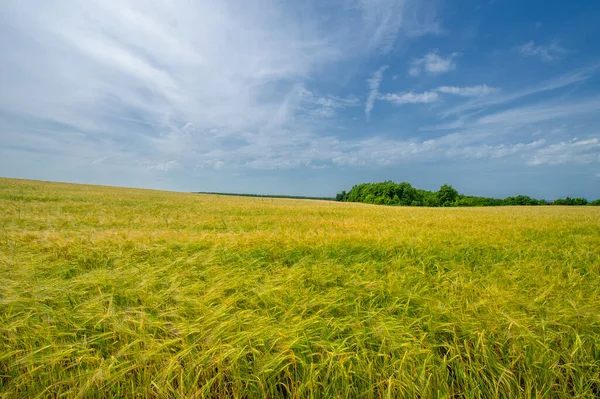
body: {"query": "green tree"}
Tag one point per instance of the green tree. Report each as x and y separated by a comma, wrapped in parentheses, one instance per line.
(570, 201)
(390, 193)
(341, 196)
(447, 195)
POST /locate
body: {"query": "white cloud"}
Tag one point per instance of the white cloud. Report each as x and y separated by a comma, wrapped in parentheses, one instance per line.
(574, 151)
(156, 75)
(473, 91)
(164, 166)
(374, 82)
(411, 98)
(179, 78)
(433, 95)
(546, 53)
(433, 64)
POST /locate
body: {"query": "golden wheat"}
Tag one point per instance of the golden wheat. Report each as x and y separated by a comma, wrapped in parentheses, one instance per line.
(113, 292)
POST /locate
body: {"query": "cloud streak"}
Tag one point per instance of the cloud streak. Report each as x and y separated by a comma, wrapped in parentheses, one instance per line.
(473, 91)
(410, 97)
(565, 80)
(373, 83)
(547, 53)
(541, 112)
(386, 20)
(432, 64)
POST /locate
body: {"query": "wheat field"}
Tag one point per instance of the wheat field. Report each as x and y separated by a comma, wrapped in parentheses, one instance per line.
(114, 292)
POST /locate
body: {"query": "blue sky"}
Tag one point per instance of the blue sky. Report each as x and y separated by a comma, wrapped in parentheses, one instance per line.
(496, 97)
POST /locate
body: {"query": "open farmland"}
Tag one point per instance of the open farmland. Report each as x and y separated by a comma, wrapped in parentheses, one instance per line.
(113, 292)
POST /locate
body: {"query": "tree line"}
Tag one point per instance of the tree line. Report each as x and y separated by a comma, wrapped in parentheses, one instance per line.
(390, 193)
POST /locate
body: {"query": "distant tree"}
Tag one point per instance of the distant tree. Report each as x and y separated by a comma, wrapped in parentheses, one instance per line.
(522, 200)
(447, 195)
(428, 198)
(595, 202)
(390, 193)
(341, 196)
(570, 201)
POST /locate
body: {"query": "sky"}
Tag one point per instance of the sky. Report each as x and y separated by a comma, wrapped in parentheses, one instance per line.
(496, 98)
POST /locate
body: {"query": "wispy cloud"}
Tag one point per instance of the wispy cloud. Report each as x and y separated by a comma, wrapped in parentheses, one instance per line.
(496, 151)
(433, 64)
(317, 152)
(338, 102)
(410, 97)
(473, 91)
(549, 52)
(560, 82)
(328, 105)
(574, 151)
(151, 71)
(373, 84)
(385, 20)
(541, 112)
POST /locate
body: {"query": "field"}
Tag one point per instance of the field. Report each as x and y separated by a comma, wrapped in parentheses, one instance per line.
(113, 292)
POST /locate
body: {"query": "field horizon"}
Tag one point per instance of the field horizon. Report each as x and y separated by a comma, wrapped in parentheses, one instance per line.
(255, 195)
(121, 292)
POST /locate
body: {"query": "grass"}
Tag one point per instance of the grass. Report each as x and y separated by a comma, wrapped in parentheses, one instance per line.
(113, 292)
